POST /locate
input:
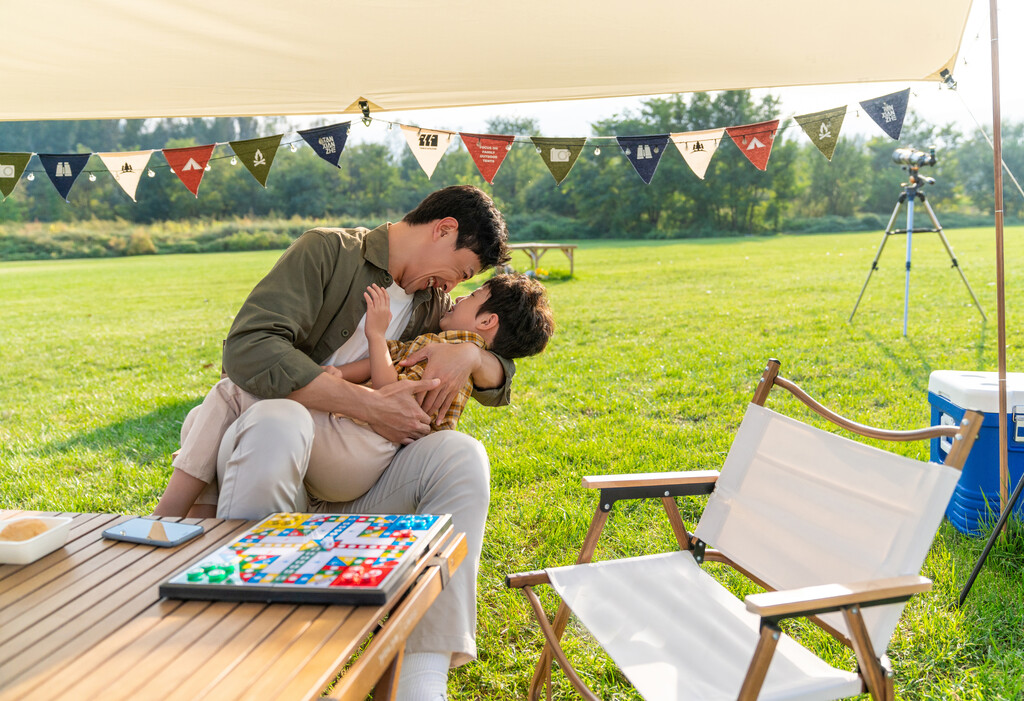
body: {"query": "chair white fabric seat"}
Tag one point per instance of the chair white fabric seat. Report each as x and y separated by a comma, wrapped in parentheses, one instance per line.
(677, 633)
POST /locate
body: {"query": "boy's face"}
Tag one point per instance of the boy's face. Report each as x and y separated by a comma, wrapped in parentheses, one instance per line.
(463, 316)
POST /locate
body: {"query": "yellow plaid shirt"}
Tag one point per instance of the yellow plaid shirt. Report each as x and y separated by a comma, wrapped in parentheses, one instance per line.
(402, 350)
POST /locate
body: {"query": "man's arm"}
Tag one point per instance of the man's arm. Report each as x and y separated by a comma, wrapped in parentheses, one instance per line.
(393, 412)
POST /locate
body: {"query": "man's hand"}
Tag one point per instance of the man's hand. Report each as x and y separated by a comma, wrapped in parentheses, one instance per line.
(452, 364)
(395, 413)
(378, 311)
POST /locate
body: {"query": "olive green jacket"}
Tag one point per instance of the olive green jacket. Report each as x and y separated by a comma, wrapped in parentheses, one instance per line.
(310, 303)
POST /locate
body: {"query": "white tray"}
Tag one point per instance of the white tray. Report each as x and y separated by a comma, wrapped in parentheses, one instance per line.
(22, 552)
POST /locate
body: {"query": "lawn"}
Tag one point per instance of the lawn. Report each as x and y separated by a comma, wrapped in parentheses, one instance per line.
(656, 353)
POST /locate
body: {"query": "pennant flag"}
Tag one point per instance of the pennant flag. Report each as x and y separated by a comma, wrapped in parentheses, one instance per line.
(12, 165)
(257, 155)
(127, 168)
(63, 169)
(888, 111)
(697, 148)
(189, 164)
(755, 141)
(488, 151)
(644, 152)
(559, 154)
(823, 128)
(328, 142)
(428, 145)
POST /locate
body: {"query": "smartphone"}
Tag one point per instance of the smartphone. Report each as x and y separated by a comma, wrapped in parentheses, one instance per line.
(165, 534)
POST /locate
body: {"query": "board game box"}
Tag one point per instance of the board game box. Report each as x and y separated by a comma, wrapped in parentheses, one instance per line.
(313, 558)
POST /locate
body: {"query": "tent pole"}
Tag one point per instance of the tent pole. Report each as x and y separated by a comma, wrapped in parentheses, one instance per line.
(997, 160)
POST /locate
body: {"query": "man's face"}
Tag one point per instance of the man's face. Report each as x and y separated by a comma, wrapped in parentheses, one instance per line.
(462, 317)
(441, 265)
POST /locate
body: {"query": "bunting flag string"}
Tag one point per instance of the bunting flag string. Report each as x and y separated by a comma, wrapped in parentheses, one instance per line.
(127, 168)
(559, 155)
(888, 112)
(428, 145)
(257, 155)
(63, 169)
(327, 142)
(488, 151)
(823, 128)
(697, 148)
(755, 141)
(12, 165)
(644, 153)
(189, 164)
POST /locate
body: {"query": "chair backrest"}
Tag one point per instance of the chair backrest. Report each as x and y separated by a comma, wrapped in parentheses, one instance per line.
(797, 506)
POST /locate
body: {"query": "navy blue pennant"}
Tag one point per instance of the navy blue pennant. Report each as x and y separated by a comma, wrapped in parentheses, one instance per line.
(63, 169)
(328, 142)
(644, 152)
(888, 111)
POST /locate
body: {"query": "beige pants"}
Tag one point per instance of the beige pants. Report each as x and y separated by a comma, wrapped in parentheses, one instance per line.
(263, 460)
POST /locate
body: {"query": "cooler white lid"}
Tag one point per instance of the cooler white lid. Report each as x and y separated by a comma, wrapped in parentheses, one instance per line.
(977, 390)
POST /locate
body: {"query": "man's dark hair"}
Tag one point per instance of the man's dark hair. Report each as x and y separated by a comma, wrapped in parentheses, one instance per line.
(481, 227)
(525, 322)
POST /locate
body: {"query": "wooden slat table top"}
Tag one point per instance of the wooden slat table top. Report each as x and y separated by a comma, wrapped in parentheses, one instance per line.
(87, 621)
(527, 246)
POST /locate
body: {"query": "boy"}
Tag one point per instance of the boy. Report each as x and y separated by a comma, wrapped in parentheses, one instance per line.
(508, 315)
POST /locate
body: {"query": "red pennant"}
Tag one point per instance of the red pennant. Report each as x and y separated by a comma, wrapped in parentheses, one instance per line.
(755, 141)
(189, 164)
(488, 151)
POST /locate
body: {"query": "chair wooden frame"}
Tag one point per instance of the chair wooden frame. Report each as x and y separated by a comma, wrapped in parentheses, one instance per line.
(771, 606)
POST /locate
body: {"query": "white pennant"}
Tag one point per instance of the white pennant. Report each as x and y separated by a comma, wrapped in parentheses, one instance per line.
(428, 145)
(127, 168)
(698, 147)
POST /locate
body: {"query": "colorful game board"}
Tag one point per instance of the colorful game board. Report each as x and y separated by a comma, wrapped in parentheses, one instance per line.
(312, 558)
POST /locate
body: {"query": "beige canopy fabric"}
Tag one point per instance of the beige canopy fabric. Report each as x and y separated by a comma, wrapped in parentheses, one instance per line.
(68, 59)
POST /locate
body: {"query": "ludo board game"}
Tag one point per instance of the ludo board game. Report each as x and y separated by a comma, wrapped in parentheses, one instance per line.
(312, 558)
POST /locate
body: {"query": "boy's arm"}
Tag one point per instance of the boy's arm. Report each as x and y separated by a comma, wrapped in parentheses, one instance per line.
(182, 491)
(378, 316)
(358, 371)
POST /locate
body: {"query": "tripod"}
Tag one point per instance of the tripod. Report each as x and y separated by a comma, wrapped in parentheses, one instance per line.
(912, 189)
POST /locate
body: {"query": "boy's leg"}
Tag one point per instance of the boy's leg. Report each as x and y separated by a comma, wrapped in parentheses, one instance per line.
(262, 460)
(444, 473)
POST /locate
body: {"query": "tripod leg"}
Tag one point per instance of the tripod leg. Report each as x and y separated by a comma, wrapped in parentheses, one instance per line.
(952, 256)
(906, 288)
(874, 263)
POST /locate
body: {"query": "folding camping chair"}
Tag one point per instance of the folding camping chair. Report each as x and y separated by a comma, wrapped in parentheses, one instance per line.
(835, 530)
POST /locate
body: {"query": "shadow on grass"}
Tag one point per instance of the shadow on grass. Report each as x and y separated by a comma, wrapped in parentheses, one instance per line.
(143, 439)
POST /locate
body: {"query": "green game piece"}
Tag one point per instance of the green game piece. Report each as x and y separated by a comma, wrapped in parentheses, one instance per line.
(195, 575)
(218, 575)
(229, 568)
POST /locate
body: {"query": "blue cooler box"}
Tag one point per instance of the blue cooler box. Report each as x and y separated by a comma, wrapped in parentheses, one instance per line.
(975, 503)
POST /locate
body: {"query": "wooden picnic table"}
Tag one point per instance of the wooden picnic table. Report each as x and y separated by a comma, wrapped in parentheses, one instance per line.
(536, 250)
(86, 621)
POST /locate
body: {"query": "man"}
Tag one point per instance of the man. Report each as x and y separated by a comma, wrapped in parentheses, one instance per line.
(307, 313)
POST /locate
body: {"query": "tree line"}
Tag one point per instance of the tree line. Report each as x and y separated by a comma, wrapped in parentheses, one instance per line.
(601, 198)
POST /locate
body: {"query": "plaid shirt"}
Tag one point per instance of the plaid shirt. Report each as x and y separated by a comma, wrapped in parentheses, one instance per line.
(402, 350)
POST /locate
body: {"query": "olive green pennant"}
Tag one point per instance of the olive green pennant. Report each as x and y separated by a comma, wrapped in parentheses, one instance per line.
(257, 155)
(12, 165)
(823, 128)
(559, 154)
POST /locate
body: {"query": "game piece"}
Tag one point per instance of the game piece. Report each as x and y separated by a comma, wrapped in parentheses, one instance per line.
(313, 558)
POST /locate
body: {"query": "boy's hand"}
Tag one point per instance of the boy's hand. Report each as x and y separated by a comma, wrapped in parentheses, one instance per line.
(378, 310)
(333, 370)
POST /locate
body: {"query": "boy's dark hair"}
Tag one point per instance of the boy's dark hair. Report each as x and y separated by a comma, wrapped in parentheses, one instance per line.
(481, 227)
(525, 322)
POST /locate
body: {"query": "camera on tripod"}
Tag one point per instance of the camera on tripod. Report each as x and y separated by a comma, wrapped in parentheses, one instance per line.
(912, 158)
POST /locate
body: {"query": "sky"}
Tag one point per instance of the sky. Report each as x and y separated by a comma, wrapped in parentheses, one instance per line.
(934, 104)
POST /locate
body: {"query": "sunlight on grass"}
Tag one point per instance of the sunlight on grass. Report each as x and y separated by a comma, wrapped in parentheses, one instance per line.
(656, 353)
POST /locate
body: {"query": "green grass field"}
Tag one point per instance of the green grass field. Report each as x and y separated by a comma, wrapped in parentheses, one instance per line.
(656, 354)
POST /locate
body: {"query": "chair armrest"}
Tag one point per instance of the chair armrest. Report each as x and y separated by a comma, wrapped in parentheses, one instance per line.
(807, 601)
(519, 580)
(655, 479)
(649, 485)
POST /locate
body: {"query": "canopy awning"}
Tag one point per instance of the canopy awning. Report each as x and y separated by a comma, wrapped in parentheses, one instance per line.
(68, 59)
